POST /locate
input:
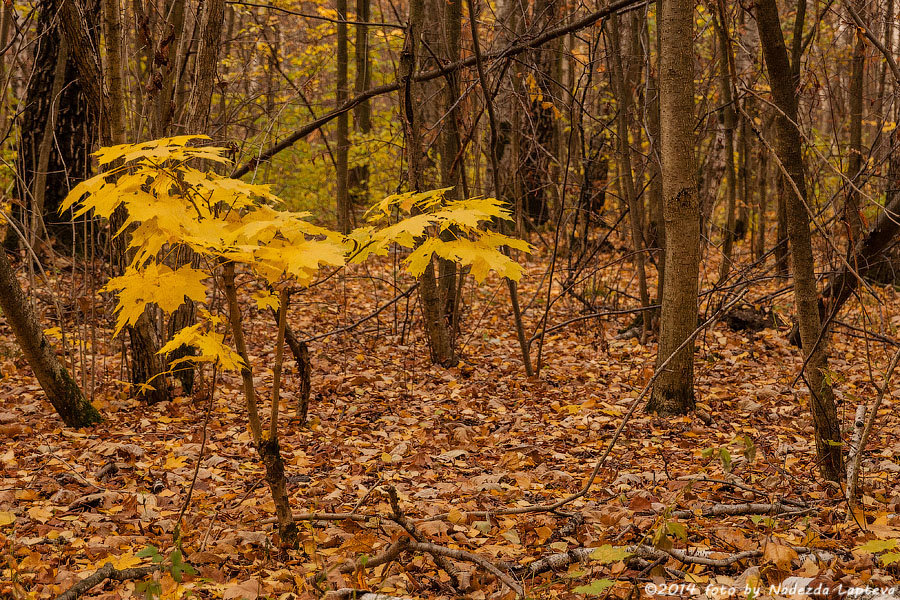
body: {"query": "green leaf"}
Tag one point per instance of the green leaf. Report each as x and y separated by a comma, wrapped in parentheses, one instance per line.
(876, 546)
(889, 558)
(677, 529)
(151, 552)
(607, 554)
(725, 456)
(595, 588)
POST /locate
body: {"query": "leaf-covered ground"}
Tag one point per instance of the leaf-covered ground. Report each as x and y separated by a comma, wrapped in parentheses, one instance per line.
(478, 437)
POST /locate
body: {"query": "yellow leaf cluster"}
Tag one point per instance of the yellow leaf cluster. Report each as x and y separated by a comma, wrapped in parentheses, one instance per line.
(168, 204)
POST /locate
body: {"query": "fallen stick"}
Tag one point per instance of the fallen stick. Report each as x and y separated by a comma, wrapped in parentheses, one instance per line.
(354, 594)
(392, 553)
(105, 572)
(749, 508)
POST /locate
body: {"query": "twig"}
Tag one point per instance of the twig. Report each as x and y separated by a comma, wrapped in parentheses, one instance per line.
(359, 322)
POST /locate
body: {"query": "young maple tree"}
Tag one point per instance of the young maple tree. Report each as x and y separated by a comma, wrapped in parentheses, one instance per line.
(227, 222)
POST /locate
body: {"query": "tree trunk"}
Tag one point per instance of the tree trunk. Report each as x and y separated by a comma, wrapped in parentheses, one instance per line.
(789, 151)
(362, 115)
(539, 142)
(626, 178)
(442, 34)
(68, 119)
(852, 216)
(674, 389)
(266, 445)
(726, 79)
(206, 63)
(167, 57)
(657, 220)
(343, 122)
(62, 391)
(197, 123)
(436, 328)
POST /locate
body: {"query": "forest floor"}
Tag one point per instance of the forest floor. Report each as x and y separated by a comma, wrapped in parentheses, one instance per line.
(480, 436)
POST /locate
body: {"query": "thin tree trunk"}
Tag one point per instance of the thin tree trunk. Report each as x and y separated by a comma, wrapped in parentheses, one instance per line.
(674, 389)
(38, 193)
(343, 122)
(436, 328)
(657, 209)
(495, 180)
(852, 215)
(626, 177)
(789, 151)
(266, 445)
(362, 114)
(206, 63)
(728, 124)
(762, 197)
(62, 391)
(197, 122)
(164, 103)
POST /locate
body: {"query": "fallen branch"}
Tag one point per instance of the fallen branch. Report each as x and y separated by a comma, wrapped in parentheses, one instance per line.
(354, 594)
(701, 557)
(554, 562)
(462, 555)
(105, 572)
(459, 583)
(749, 508)
(741, 486)
(393, 551)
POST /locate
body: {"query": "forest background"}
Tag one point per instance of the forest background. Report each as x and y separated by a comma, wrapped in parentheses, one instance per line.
(441, 298)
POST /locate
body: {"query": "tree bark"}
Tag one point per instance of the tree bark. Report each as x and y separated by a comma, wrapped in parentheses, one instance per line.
(789, 151)
(674, 389)
(62, 391)
(66, 116)
(205, 66)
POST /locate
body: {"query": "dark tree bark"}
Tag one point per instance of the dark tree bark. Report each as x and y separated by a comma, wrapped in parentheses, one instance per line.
(788, 148)
(62, 391)
(62, 122)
